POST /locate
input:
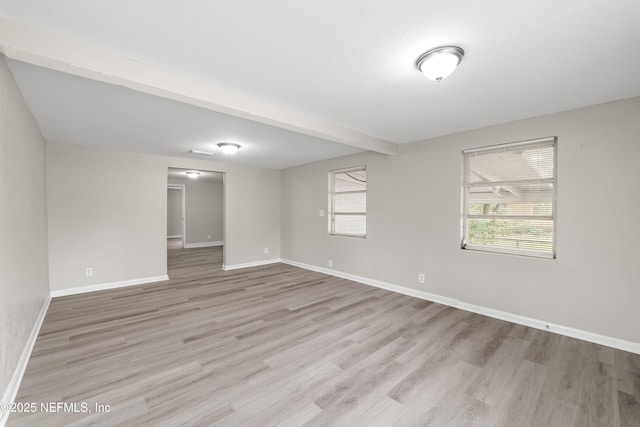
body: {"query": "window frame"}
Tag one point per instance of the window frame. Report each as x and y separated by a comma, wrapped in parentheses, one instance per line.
(332, 193)
(553, 141)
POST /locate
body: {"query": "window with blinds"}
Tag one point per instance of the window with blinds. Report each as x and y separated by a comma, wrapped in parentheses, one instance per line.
(348, 202)
(509, 198)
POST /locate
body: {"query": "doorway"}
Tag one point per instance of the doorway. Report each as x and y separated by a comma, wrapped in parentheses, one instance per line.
(195, 215)
(175, 216)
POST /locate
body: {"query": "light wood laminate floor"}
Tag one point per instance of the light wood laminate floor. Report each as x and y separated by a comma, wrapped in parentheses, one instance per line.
(278, 345)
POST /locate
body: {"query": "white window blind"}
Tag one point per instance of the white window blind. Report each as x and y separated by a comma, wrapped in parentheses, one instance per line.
(348, 202)
(509, 198)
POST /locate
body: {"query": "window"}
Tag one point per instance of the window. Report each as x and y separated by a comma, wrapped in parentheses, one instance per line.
(348, 202)
(509, 201)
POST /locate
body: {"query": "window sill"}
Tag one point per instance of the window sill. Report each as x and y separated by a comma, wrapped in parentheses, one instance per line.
(360, 236)
(505, 251)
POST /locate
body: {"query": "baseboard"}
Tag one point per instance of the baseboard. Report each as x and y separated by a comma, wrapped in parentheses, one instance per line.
(251, 264)
(174, 237)
(203, 244)
(105, 286)
(630, 346)
(11, 392)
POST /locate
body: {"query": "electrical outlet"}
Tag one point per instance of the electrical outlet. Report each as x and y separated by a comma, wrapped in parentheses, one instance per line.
(421, 278)
(88, 271)
(266, 250)
(321, 212)
(209, 236)
(330, 263)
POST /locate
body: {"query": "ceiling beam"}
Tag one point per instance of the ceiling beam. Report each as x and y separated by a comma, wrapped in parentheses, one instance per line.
(28, 44)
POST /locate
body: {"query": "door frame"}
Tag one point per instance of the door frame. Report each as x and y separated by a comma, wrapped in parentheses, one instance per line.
(183, 207)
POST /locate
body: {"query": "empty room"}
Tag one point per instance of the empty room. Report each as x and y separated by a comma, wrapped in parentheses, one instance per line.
(338, 213)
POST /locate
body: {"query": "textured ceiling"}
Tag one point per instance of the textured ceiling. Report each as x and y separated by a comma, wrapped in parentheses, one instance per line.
(352, 63)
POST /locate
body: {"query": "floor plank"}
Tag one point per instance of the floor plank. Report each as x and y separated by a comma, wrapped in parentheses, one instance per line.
(280, 346)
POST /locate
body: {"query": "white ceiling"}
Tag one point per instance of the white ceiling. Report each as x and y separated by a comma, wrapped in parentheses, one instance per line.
(347, 63)
(75, 110)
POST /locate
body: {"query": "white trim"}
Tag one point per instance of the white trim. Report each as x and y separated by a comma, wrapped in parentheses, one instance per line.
(377, 283)
(509, 251)
(350, 169)
(498, 147)
(174, 237)
(630, 346)
(11, 392)
(183, 208)
(105, 286)
(251, 264)
(203, 244)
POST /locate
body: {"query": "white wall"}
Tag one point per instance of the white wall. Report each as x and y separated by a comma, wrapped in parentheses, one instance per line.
(104, 220)
(413, 222)
(116, 223)
(23, 225)
(174, 212)
(204, 201)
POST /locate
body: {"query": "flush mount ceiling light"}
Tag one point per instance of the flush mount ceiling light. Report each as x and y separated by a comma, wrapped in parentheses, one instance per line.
(193, 174)
(439, 63)
(228, 147)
